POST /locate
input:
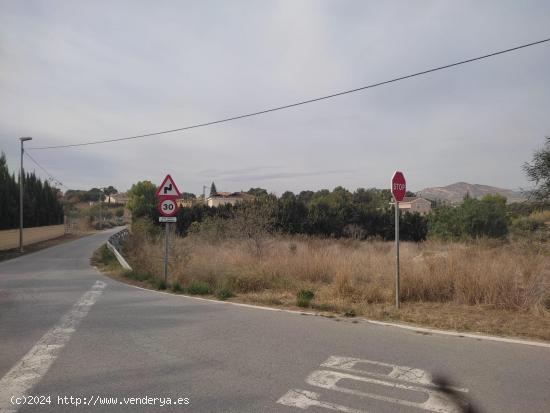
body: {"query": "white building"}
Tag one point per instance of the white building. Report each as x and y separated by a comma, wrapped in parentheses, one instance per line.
(223, 198)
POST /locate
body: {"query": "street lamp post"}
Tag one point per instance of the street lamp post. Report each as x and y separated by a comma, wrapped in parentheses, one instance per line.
(21, 177)
(100, 217)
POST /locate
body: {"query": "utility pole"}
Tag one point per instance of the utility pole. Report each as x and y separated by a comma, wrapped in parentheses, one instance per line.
(21, 177)
(204, 194)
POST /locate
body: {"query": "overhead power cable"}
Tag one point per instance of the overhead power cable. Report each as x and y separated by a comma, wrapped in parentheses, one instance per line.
(304, 102)
(50, 176)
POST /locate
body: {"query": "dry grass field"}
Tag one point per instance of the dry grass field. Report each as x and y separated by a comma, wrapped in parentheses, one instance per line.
(486, 286)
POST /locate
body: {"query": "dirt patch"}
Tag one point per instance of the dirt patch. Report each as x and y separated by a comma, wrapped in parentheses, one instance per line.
(14, 253)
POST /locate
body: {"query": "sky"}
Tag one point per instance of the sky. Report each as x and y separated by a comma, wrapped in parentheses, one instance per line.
(78, 71)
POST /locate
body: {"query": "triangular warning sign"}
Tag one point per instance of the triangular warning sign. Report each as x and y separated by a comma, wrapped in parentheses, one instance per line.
(168, 188)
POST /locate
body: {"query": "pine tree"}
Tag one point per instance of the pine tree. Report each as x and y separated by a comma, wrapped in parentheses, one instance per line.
(41, 203)
(213, 190)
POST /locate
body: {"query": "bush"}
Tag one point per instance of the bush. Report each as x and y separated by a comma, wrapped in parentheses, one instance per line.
(531, 228)
(176, 287)
(224, 293)
(105, 256)
(198, 288)
(100, 226)
(160, 284)
(304, 297)
(472, 219)
(137, 275)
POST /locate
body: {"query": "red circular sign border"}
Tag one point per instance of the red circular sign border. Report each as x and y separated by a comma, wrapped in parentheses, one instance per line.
(164, 214)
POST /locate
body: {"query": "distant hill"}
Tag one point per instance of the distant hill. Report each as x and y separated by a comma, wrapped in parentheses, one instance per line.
(454, 193)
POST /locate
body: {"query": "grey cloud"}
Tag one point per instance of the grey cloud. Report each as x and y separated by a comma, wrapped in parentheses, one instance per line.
(73, 71)
(214, 173)
(287, 175)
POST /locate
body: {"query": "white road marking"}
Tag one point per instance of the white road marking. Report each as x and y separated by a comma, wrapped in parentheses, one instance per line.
(374, 373)
(302, 399)
(403, 373)
(436, 402)
(34, 365)
(381, 323)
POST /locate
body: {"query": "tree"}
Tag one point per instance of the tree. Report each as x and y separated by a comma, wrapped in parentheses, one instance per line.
(253, 221)
(9, 195)
(213, 190)
(538, 172)
(485, 217)
(291, 214)
(142, 200)
(41, 202)
(110, 190)
(472, 219)
(413, 227)
(94, 195)
(188, 195)
(257, 192)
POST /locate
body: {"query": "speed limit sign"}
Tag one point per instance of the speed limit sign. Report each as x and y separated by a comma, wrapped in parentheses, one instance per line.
(168, 207)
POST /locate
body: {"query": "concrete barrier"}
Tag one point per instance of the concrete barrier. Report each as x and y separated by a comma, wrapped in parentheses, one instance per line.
(10, 238)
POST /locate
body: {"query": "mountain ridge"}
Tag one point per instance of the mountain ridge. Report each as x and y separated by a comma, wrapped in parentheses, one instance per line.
(454, 193)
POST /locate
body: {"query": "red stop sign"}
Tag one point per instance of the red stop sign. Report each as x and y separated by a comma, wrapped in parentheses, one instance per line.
(398, 186)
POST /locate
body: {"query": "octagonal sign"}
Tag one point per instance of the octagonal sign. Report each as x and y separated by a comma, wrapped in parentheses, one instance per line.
(398, 186)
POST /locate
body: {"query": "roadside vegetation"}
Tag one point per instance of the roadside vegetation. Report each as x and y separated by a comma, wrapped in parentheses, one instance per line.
(481, 266)
(41, 201)
(492, 286)
(83, 210)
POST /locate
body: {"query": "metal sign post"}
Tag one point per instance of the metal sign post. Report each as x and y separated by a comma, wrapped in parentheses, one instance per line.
(398, 190)
(167, 193)
(397, 254)
(167, 227)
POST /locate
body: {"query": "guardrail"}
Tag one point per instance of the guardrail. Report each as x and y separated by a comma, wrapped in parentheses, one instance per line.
(114, 243)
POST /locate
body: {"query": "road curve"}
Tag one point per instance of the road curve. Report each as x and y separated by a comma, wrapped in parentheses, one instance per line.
(66, 330)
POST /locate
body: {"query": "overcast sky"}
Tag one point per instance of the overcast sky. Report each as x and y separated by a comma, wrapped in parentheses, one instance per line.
(74, 71)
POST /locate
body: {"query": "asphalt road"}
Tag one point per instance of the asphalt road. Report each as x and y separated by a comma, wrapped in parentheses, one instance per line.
(66, 330)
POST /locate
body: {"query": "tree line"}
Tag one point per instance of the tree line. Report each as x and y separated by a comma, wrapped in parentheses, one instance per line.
(364, 213)
(93, 195)
(41, 201)
(338, 213)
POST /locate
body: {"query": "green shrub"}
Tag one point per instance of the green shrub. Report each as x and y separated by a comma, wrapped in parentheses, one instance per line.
(198, 288)
(106, 256)
(137, 275)
(224, 293)
(304, 297)
(160, 284)
(176, 287)
(531, 228)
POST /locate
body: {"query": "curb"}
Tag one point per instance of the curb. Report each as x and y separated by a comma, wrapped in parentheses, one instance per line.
(410, 327)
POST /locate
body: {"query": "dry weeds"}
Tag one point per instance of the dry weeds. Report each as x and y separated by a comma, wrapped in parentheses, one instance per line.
(487, 286)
